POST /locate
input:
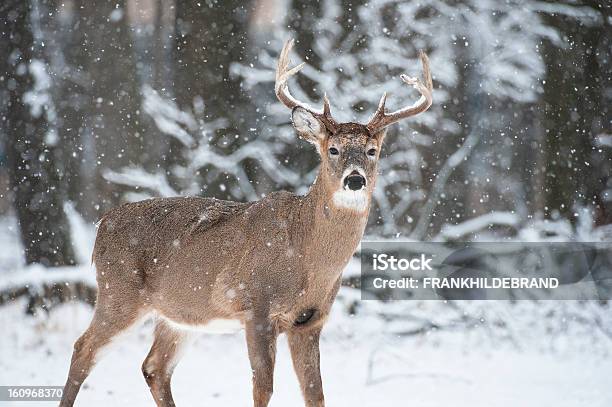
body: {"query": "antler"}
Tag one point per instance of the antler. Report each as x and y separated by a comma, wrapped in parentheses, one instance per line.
(380, 120)
(281, 88)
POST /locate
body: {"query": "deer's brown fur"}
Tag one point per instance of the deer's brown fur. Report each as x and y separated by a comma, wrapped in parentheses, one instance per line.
(273, 265)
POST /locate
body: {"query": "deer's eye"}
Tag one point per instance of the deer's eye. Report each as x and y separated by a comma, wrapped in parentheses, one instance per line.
(371, 152)
(334, 151)
(304, 317)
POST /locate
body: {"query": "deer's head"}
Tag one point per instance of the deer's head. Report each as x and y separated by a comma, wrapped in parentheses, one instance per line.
(349, 151)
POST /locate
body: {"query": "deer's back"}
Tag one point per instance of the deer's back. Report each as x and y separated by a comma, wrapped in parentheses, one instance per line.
(136, 236)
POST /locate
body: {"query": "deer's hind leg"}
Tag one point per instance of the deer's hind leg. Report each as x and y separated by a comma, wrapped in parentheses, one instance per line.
(159, 364)
(111, 317)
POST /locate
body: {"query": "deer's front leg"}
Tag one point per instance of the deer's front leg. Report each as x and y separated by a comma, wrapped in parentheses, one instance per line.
(261, 336)
(304, 346)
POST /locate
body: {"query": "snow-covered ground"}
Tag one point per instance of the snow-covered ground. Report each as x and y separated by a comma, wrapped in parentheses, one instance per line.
(363, 365)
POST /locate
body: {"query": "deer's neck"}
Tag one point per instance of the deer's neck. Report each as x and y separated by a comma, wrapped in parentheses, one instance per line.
(332, 231)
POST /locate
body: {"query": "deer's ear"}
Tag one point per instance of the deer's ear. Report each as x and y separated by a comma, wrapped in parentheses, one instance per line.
(307, 125)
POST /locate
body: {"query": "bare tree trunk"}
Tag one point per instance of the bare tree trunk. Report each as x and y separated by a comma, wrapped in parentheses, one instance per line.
(116, 136)
(71, 89)
(575, 113)
(152, 23)
(431, 216)
(209, 38)
(32, 140)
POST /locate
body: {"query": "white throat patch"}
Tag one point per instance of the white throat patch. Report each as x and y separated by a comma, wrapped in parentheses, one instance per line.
(354, 200)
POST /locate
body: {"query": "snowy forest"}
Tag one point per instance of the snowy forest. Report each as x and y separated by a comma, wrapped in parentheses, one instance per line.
(105, 102)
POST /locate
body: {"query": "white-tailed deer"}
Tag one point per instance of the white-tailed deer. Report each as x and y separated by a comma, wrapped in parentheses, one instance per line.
(273, 266)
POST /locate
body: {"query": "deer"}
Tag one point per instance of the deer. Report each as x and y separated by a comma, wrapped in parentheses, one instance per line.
(270, 267)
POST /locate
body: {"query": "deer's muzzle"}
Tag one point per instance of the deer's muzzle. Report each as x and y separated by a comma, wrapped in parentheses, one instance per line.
(354, 181)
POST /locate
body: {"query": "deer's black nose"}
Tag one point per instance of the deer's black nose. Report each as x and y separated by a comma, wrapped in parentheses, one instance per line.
(354, 181)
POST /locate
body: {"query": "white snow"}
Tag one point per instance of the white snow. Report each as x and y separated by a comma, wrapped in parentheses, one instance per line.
(476, 224)
(360, 367)
(38, 98)
(168, 117)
